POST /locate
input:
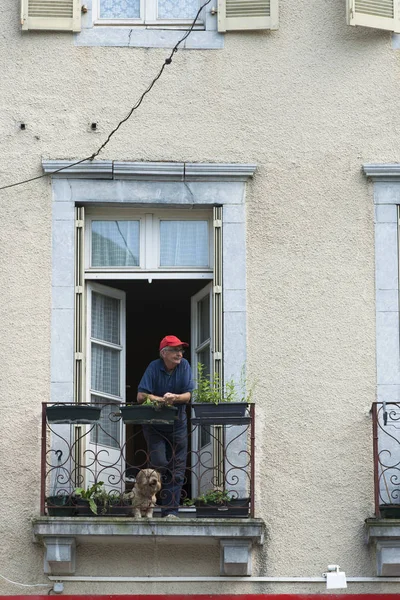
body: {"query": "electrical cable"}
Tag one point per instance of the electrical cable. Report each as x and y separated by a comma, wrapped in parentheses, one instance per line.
(26, 584)
(166, 62)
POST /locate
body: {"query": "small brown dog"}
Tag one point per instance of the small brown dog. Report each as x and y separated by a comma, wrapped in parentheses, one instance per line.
(143, 495)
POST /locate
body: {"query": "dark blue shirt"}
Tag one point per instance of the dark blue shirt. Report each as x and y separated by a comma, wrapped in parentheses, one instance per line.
(157, 381)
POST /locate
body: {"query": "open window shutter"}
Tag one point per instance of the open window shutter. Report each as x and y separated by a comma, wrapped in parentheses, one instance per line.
(380, 14)
(217, 294)
(247, 14)
(57, 15)
(79, 334)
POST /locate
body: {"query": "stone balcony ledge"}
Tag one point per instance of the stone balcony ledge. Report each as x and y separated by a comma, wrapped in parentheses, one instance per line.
(385, 535)
(61, 535)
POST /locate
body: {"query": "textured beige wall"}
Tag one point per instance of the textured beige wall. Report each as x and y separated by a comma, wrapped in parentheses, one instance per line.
(309, 104)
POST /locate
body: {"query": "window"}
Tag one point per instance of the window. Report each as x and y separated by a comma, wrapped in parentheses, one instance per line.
(170, 13)
(150, 241)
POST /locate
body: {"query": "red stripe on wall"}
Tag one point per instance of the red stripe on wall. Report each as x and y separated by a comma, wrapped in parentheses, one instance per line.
(370, 596)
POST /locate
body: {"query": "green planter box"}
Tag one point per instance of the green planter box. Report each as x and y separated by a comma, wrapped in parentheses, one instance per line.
(137, 413)
(390, 511)
(225, 413)
(73, 413)
(237, 508)
(60, 506)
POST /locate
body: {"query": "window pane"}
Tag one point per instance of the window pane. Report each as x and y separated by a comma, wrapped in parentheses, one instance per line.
(105, 318)
(203, 357)
(184, 244)
(204, 331)
(107, 431)
(177, 9)
(105, 369)
(115, 243)
(119, 9)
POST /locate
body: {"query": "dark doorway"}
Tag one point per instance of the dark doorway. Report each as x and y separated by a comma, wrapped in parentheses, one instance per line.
(153, 310)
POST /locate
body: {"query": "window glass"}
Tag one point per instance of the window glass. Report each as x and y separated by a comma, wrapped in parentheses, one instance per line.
(177, 9)
(115, 243)
(203, 357)
(184, 244)
(107, 431)
(105, 372)
(105, 318)
(119, 9)
(204, 330)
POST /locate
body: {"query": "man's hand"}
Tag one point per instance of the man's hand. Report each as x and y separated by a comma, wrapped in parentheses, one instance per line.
(169, 398)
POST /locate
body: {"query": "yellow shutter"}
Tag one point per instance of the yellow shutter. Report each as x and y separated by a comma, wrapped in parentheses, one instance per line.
(53, 15)
(247, 14)
(80, 326)
(380, 14)
(217, 342)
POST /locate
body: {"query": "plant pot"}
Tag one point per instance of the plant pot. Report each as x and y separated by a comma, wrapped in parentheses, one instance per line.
(83, 508)
(60, 506)
(390, 511)
(137, 413)
(238, 508)
(73, 413)
(225, 413)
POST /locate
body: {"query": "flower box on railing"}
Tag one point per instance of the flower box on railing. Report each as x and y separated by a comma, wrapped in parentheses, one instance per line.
(224, 413)
(235, 508)
(147, 414)
(60, 505)
(73, 413)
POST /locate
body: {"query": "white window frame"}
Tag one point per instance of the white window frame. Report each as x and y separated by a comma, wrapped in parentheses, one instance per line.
(121, 347)
(148, 18)
(149, 261)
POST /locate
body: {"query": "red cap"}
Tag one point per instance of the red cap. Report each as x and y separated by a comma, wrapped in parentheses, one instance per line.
(171, 340)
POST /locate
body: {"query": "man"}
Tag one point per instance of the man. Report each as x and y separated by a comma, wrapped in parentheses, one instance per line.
(169, 381)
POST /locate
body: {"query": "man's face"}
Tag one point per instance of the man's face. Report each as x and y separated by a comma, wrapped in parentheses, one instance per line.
(173, 356)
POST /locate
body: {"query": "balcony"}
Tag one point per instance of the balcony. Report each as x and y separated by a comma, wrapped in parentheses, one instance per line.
(108, 448)
(384, 529)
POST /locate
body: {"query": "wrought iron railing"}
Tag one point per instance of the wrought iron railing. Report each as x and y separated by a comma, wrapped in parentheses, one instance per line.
(79, 452)
(386, 445)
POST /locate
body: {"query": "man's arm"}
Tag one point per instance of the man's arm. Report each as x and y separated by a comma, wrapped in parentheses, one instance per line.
(177, 398)
(142, 396)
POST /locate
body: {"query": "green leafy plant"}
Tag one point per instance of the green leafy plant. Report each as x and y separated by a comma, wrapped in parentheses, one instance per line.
(213, 497)
(155, 403)
(212, 391)
(90, 494)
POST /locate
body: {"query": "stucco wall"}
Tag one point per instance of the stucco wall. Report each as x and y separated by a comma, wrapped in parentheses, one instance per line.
(309, 104)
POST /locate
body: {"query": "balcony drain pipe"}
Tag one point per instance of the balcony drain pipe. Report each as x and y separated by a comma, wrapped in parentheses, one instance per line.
(225, 578)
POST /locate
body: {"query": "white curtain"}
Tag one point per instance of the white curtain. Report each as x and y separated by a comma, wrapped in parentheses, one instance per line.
(115, 243)
(184, 244)
(119, 9)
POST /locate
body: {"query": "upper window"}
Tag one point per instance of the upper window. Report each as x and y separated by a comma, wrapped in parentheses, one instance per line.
(173, 240)
(168, 13)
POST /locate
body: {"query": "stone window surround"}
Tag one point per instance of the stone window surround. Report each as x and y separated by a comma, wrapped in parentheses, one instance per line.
(138, 184)
(384, 534)
(147, 37)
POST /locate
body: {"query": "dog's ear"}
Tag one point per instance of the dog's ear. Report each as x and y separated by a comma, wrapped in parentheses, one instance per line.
(139, 478)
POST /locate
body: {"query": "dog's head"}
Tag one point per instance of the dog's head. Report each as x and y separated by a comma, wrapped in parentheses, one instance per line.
(149, 479)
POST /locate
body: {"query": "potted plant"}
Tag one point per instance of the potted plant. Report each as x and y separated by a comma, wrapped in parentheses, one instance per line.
(73, 413)
(220, 504)
(60, 505)
(86, 499)
(150, 412)
(215, 403)
(389, 511)
(111, 503)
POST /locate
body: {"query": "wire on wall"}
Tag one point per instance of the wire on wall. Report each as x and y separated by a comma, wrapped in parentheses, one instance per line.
(166, 62)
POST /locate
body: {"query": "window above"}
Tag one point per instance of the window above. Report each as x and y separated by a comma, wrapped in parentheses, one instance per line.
(149, 242)
(169, 13)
